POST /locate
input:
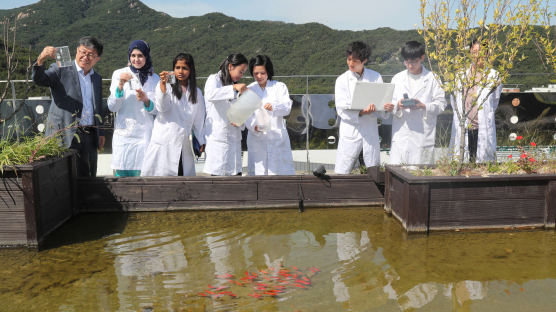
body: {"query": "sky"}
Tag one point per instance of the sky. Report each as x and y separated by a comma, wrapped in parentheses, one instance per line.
(336, 14)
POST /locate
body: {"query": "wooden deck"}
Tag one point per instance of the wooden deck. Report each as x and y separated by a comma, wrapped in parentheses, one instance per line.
(213, 193)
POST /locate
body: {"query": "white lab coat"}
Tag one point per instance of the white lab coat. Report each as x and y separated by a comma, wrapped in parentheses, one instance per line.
(269, 152)
(223, 148)
(356, 132)
(133, 124)
(414, 131)
(486, 143)
(170, 138)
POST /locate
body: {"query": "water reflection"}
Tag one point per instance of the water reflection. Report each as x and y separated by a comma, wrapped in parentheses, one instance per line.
(164, 261)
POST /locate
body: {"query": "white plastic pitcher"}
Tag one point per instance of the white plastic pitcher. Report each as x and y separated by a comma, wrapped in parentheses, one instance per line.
(243, 107)
(262, 119)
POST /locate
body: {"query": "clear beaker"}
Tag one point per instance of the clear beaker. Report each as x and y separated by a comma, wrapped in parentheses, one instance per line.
(63, 57)
(171, 78)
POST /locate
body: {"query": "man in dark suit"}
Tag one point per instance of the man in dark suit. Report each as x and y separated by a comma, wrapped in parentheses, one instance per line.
(76, 109)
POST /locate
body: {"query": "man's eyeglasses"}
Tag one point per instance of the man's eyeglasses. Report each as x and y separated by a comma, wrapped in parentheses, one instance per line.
(87, 54)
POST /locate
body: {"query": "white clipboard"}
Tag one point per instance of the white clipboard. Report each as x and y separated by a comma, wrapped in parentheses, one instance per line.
(366, 93)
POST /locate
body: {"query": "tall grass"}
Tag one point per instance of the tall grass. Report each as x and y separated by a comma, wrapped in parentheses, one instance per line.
(28, 149)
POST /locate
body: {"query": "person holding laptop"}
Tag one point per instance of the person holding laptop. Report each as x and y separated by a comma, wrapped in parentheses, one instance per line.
(358, 128)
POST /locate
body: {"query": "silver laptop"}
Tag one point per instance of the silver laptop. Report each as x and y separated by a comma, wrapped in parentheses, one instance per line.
(366, 93)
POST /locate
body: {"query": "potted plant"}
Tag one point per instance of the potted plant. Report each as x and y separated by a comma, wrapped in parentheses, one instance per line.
(37, 174)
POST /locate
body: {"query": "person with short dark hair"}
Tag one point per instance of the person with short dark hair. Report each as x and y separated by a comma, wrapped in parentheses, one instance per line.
(76, 106)
(268, 143)
(180, 109)
(131, 98)
(418, 98)
(223, 137)
(481, 103)
(358, 129)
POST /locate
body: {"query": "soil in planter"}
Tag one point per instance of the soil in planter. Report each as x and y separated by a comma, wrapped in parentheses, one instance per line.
(486, 169)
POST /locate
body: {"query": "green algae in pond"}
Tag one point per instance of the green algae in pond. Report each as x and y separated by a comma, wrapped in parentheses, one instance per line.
(163, 261)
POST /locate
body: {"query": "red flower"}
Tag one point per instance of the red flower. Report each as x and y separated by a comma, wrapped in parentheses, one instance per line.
(523, 155)
(533, 144)
(532, 159)
(519, 137)
(510, 156)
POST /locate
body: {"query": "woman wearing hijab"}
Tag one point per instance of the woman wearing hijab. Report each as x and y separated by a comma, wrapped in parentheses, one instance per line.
(131, 92)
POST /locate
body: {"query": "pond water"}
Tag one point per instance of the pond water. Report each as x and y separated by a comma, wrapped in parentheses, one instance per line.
(352, 259)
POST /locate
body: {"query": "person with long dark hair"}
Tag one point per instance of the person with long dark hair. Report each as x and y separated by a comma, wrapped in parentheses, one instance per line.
(180, 109)
(131, 98)
(268, 143)
(223, 137)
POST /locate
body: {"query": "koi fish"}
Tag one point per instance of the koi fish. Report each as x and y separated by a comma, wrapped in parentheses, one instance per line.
(303, 282)
(227, 275)
(221, 287)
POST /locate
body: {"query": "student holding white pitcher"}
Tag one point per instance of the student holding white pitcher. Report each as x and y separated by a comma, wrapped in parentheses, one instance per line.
(268, 143)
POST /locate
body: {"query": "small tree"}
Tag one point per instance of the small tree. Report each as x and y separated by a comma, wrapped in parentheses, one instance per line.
(8, 52)
(502, 27)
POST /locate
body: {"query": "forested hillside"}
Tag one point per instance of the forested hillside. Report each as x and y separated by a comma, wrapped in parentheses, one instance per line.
(296, 49)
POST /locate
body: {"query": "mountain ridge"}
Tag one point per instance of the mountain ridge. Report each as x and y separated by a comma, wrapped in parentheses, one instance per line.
(295, 49)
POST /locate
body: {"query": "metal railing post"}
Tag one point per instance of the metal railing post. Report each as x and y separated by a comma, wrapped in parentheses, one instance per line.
(14, 107)
(307, 123)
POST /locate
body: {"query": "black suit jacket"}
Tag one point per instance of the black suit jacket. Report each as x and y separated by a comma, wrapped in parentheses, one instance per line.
(67, 103)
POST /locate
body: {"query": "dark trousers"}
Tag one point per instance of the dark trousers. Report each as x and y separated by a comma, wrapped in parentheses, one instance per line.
(180, 168)
(472, 138)
(87, 154)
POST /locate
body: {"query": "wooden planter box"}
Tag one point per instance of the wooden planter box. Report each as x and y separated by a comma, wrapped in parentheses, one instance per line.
(376, 174)
(423, 204)
(107, 194)
(35, 199)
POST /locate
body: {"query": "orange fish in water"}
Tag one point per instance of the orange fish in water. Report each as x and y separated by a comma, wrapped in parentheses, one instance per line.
(300, 286)
(202, 294)
(254, 295)
(302, 282)
(221, 287)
